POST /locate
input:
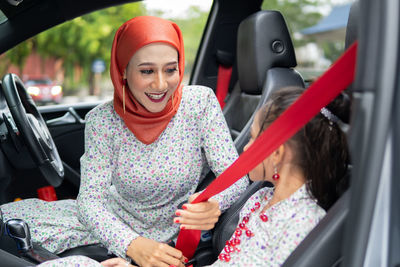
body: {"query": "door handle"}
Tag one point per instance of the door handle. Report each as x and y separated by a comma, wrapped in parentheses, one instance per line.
(70, 117)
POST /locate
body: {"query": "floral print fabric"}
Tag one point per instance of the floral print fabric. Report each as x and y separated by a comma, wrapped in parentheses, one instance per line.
(129, 189)
(289, 222)
(71, 261)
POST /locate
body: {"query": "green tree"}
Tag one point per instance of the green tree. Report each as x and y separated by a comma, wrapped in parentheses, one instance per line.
(82, 40)
(77, 42)
(192, 30)
(19, 54)
(298, 14)
(332, 49)
(4, 65)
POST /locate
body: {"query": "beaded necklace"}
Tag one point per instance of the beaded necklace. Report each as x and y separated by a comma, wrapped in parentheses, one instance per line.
(232, 245)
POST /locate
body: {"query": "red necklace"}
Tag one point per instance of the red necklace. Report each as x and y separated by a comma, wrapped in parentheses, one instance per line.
(232, 245)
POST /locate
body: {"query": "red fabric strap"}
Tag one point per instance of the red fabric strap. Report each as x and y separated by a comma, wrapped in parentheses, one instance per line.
(224, 77)
(338, 77)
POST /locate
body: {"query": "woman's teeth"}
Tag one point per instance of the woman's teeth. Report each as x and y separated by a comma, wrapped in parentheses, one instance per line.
(156, 96)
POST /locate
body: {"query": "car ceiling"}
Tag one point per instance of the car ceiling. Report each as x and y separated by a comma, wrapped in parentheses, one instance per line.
(31, 17)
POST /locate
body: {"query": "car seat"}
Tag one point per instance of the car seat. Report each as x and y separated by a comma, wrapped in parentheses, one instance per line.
(268, 58)
(265, 61)
(265, 58)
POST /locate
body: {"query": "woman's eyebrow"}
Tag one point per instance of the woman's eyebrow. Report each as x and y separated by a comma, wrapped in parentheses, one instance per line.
(152, 64)
(146, 64)
(172, 63)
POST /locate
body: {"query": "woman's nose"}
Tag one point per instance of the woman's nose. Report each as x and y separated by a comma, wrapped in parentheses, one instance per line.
(160, 82)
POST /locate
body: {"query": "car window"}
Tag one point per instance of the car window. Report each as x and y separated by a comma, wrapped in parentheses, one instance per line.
(70, 62)
(318, 35)
(3, 17)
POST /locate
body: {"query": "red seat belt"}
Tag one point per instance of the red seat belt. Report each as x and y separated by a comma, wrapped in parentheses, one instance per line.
(224, 77)
(338, 77)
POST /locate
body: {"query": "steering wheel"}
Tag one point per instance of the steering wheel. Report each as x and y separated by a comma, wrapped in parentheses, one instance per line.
(33, 129)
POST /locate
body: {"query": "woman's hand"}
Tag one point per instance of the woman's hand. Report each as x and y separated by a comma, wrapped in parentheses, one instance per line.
(199, 216)
(116, 262)
(146, 252)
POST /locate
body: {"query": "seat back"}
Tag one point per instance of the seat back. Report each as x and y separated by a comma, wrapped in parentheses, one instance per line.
(263, 43)
(265, 57)
(267, 67)
(276, 78)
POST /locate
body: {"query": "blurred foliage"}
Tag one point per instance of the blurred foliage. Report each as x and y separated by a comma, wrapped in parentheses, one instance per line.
(192, 30)
(78, 42)
(19, 54)
(332, 50)
(4, 65)
(298, 14)
(84, 39)
(301, 14)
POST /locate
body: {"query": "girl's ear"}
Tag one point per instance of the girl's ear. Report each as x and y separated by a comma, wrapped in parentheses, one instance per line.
(277, 155)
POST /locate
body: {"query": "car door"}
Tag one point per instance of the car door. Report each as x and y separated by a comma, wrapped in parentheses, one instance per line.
(364, 228)
(66, 124)
(372, 229)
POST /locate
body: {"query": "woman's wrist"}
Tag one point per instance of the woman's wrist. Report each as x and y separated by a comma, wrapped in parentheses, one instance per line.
(131, 251)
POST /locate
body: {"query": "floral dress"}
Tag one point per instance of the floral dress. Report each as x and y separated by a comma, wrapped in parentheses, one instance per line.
(129, 189)
(273, 235)
(71, 261)
(270, 241)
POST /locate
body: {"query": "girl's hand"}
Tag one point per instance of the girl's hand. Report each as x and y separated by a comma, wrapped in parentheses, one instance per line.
(146, 252)
(199, 216)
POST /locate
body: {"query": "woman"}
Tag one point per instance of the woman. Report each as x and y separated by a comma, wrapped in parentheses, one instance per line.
(143, 156)
(276, 219)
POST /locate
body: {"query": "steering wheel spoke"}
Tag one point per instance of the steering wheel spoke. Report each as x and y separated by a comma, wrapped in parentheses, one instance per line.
(33, 129)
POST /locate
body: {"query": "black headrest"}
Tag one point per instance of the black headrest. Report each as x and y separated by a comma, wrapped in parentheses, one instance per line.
(263, 42)
(352, 25)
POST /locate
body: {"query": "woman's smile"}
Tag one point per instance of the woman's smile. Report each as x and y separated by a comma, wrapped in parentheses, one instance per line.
(156, 97)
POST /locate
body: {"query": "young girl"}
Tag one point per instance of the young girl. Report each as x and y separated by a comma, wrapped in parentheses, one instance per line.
(308, 174)
(144, 153)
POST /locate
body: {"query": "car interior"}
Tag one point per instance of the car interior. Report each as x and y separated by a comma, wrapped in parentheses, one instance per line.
(263, 60)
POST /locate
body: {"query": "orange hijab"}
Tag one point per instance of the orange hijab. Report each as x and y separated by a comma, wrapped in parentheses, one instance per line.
(131, 36)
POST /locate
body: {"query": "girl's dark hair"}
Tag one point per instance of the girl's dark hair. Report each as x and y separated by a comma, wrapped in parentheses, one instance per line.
(320, 147)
